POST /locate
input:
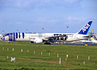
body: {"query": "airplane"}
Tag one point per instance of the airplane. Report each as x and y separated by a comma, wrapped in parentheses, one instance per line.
(48, 38)
(0, 36)
(93, 39)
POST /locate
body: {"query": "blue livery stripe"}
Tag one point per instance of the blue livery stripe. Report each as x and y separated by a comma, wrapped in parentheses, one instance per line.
(10, 37)
(19, 35)
(16, 35)
(23, 35)
(13, 36)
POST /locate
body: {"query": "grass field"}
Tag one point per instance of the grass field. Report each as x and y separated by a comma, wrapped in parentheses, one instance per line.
(31, 59)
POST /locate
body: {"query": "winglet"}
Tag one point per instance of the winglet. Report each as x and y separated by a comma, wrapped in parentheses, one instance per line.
(84, 30)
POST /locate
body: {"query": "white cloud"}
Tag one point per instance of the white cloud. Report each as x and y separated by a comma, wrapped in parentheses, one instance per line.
(18, 22)
(37, 3)
(76, 18)
(70, 1)
(95, 18)
(45, 21)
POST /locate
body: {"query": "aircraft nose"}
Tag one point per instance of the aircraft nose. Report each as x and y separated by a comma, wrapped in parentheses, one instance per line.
(2, 38)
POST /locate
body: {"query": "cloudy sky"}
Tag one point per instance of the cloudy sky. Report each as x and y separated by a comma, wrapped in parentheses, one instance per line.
(52, 15)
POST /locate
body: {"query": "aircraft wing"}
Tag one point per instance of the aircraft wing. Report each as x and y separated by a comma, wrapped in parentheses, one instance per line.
(57, 37)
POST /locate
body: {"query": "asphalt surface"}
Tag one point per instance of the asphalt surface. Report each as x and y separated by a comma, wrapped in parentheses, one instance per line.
(90, 44)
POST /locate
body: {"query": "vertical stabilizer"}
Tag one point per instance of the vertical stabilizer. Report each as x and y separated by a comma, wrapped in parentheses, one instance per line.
(84, 30)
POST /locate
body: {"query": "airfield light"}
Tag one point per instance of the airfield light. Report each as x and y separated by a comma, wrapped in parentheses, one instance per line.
(3, 31)
(42, 30)
(17, 30)
(27, 30)
(67, 28)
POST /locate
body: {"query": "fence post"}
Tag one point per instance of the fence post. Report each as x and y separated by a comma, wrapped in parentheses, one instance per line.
(7, 48)
(41, 53)
(21, 50)
(88, 57)
(27, 51)
(57, 55)
(49, 54)
(34, 51)
(3, 48)
(12, 49)
(59, 60)
(77, 56)
(67, 55)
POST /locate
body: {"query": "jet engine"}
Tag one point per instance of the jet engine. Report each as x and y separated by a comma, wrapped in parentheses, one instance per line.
(63, 37)
(36, 40)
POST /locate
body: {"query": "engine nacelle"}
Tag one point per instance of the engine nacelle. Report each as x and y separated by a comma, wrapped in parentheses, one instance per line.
(37, 40)
(61, 38)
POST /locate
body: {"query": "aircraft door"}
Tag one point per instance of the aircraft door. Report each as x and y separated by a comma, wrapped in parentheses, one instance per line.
(40, 35)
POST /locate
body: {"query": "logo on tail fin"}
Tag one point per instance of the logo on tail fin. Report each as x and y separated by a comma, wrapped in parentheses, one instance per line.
(85, 29)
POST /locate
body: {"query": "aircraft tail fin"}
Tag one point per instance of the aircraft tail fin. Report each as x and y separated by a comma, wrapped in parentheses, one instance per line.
(84, 30)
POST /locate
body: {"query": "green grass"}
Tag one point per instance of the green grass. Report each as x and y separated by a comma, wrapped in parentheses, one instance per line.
(28, 60)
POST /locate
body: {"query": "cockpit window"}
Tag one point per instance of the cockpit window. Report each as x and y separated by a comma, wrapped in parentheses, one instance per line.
(6, 34)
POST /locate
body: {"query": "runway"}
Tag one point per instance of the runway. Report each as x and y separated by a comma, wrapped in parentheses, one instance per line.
(90, 44)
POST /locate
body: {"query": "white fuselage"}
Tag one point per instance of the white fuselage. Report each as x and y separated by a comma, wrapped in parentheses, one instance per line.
(44, 36)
